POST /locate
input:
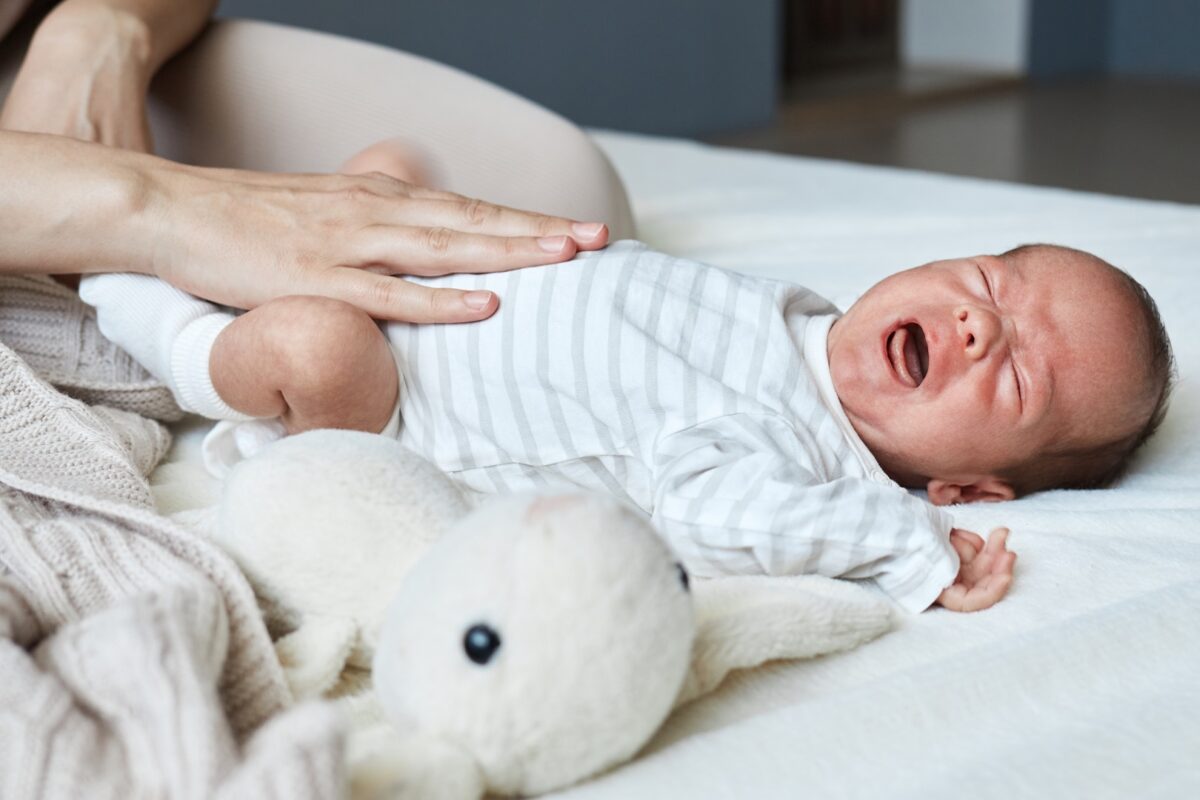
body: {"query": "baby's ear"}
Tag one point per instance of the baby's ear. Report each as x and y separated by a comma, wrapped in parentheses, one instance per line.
(987, 489)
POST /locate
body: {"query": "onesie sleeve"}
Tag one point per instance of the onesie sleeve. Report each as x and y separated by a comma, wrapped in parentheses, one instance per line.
(741, 494)
(167, 331)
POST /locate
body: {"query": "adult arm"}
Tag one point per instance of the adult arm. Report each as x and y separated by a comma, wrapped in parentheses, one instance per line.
(241, 238)
(90, 63)
(236, 237)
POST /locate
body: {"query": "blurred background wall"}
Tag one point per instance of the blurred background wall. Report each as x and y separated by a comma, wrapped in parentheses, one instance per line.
(656, 66)
(1045, 38)
(697, 67)
(1090, 94)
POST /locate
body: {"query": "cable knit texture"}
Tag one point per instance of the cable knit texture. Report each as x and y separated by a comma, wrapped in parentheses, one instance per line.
(133, 656)
(55, 332)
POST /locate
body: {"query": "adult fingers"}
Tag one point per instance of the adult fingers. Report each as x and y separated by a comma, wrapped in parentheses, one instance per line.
(439, 250)
(390, 298)
(479, 216)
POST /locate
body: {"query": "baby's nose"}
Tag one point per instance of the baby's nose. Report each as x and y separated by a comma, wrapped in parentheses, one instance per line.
(978, 330)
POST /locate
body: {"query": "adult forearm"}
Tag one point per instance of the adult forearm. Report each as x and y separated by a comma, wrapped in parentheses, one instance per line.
(89, 66)
(150, 30)
(71, 207)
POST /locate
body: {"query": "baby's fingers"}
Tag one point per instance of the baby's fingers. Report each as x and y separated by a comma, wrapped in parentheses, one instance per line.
(1004, 564)
(966, 550)
(996, 541)
(992, 559)
(974, 539)
(987, 593)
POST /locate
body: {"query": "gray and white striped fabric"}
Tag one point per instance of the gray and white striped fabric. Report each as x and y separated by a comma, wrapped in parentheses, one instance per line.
(685, 389)
(699, 395)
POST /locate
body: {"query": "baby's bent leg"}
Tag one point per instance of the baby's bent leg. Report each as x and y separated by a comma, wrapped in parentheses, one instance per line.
(311, 361)
(390, 157)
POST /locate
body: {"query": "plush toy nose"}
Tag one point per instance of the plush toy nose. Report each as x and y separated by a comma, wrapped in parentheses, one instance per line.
(683, 577)
(551, 504)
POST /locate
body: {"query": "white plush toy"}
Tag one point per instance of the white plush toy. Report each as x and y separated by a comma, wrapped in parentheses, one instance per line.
(530, 643)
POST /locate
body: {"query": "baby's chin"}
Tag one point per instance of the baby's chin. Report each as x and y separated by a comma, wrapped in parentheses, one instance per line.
(903, 473)
(897, 467)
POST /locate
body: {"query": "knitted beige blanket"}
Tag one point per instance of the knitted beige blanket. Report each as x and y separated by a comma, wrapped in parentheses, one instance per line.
(133, 658)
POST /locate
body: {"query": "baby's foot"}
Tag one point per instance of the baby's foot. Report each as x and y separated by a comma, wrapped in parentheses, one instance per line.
(391, 157)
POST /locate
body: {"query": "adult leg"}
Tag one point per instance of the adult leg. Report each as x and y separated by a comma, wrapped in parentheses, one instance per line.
(264, 96)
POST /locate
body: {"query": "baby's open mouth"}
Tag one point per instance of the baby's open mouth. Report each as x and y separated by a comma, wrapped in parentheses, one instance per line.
(909, 354)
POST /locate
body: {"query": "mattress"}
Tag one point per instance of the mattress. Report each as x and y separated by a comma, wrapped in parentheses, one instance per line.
(1085, 680)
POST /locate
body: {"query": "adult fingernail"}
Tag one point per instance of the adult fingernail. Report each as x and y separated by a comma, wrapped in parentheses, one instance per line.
(477, 301)
(587, 230)
(552, 244)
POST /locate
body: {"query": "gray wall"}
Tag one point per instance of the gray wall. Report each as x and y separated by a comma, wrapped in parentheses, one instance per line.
(1155, 37)
(1159, 38)
(685, 67)
(1068, 37)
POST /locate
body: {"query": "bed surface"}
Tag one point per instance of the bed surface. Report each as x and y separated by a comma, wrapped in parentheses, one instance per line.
(1085, 681)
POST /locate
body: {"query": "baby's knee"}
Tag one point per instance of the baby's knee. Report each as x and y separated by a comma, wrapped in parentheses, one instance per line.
(393, 158)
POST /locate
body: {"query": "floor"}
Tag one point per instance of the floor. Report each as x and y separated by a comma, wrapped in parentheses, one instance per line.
(1117, 136)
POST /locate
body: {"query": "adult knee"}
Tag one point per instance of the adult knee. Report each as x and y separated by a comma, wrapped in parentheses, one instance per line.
(586, 172)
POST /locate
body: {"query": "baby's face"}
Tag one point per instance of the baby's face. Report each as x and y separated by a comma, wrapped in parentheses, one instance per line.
(952, 370)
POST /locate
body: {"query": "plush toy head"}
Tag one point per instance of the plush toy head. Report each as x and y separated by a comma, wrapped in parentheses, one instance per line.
(530, 643)
(547, 637)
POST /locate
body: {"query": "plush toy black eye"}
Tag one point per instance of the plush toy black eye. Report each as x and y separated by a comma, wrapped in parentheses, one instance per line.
(683, 576)
(481, 643)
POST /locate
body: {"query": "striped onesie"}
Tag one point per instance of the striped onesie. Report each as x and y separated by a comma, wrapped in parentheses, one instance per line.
(699, 395)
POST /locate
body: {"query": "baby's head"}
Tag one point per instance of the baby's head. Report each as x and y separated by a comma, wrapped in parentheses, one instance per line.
(989, 377)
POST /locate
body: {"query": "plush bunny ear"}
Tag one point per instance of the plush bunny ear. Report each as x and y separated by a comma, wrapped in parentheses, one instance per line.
(746, 621)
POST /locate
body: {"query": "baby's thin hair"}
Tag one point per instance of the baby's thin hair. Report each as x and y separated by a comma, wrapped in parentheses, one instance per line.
(1098, 464)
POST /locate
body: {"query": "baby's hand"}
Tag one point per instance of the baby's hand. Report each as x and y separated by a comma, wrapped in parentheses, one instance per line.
(985, 571)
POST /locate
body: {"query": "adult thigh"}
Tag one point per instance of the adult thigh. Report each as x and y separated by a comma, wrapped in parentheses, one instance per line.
(263, 96)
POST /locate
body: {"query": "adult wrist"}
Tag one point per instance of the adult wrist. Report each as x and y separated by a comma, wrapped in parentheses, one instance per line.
(73, 207)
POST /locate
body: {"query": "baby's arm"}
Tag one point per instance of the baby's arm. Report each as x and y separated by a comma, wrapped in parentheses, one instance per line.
(742, 494)
(311, 361)
(985, 571)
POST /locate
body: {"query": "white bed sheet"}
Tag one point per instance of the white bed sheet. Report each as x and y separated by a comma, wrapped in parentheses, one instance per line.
(1085, 681)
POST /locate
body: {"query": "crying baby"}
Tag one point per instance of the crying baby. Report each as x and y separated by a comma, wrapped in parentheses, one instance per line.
(759, 429)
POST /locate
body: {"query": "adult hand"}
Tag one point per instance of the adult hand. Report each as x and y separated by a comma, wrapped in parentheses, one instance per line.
(242, 238)
(232, 236)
